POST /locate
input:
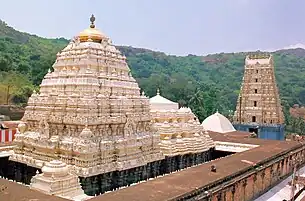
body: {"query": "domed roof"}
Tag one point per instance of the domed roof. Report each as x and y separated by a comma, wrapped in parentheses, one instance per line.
(91, 33)
(218, 123)
(55, 168)
(159, 102)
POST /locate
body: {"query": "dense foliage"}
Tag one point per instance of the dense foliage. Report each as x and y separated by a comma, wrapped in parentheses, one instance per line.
(205, 83)
(212, 82)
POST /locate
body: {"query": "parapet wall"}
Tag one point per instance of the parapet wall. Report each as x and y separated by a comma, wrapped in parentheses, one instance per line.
(250, 184)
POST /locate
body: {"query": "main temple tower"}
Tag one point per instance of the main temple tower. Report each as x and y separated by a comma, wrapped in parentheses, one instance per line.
(89, 114)
(258, 107)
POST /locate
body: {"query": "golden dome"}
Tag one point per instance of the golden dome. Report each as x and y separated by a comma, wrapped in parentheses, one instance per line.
(91, 33)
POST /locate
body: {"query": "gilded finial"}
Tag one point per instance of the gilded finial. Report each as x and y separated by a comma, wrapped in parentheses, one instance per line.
(158, 91)
(92, 20)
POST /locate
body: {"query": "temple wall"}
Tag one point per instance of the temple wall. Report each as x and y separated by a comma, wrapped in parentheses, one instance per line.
(252, 183)
(109, 181)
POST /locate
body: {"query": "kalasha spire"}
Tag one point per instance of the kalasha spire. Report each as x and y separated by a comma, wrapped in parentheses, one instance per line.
(158, 91)
(91, 34)
(92, 20)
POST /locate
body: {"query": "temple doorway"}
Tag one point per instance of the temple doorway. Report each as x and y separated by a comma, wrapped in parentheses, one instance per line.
(253, 130)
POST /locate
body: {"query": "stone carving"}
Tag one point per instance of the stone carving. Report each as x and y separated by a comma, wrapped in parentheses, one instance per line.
(44, 128)
(129, 127)
(90, 81)
(259, 100)
(176, 128)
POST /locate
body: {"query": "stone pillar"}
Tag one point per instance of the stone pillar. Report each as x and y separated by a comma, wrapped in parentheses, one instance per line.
(136, 174)
(109, 181)
(255, 186)
(188, 160)
(168, 164)
(273, 177)
(95, 185)
(86, 185)
(125, 176)
(118, 179)
(198, 159)
(244, 186)
(131, 176)
(219, 196)
(149, 175)
(180, 162)
(102, 183)
(263, 183)
(233, 192)
(115, 179)
(158, 167)
(18, 172)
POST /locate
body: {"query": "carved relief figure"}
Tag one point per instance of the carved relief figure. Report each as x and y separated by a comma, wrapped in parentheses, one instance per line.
(44, 128)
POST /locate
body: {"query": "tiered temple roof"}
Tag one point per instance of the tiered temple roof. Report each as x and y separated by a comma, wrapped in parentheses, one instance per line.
(259, 100)
(89, 112)
(179, 129)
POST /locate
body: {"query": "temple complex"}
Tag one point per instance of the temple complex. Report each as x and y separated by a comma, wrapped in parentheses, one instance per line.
(258, 107)
(183, 141)
(89, 114)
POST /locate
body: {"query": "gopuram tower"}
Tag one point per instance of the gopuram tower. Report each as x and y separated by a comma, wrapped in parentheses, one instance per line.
(258, 107)
(90, 115)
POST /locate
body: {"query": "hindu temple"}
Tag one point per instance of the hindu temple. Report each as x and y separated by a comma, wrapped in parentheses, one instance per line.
(258, 107)
(89, 114)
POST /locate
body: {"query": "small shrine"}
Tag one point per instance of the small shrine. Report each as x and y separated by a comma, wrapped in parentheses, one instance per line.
(56, 179)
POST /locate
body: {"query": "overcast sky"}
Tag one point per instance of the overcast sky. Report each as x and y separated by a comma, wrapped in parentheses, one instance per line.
(173, 26)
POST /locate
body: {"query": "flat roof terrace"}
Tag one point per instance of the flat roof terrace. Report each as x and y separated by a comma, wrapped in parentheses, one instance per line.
(185, 181)
(11, 191)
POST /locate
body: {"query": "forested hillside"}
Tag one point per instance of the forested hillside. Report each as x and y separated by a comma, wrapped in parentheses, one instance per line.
(205, 83)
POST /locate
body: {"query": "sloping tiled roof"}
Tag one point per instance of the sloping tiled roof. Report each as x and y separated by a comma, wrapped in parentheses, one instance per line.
(10, 124)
